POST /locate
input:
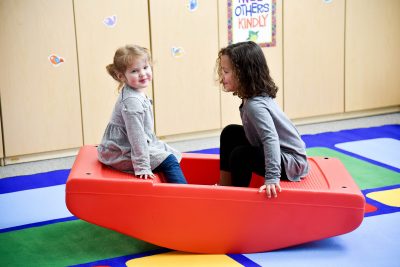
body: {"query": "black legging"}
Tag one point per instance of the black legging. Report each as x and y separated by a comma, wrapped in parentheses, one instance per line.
(240, 158)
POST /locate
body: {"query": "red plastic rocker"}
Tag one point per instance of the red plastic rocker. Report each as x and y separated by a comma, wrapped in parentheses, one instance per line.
(203, 218)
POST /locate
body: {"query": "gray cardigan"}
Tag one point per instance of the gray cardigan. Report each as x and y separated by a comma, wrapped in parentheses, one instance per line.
(129, 143)
(268, 127)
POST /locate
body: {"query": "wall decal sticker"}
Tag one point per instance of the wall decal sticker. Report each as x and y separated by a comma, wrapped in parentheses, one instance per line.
(192, 5)
(110, 21)
(177, 51)
(56, 60)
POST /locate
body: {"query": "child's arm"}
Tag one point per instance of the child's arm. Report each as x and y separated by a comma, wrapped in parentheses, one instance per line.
(265, 130)
(133, 114)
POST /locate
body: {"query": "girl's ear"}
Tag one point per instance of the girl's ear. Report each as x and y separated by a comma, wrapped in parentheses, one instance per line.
(121, 77)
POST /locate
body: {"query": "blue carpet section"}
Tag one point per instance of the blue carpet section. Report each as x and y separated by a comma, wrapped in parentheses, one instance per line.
(37, 224)
(374, 243)
(26, 182)
(240, 258)
(330, 139)
(207, 151)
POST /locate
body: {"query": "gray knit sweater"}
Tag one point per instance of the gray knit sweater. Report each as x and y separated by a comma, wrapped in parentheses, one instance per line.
(129, 143)
(268, 127)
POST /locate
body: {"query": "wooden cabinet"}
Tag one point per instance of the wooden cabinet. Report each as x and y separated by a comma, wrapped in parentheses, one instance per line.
(39, 100)
(274, 55)
(102, 27)
(372, 54)
(185, 47)
(313, 57)
(332, 58)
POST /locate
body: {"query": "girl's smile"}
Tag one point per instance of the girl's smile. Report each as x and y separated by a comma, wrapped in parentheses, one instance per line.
(139, 74)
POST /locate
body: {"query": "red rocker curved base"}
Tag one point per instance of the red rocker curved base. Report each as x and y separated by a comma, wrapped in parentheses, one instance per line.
(203, 218)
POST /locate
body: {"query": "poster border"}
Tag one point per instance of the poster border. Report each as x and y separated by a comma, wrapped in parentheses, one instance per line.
(273, 30)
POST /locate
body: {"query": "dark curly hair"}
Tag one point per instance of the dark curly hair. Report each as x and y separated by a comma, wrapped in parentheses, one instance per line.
(250, 68)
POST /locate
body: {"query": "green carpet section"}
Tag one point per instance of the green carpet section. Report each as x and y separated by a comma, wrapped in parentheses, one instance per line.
(65, 243)
(365, 174)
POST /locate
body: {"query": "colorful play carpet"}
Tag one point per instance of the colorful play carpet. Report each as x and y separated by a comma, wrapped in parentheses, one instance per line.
(36, 229)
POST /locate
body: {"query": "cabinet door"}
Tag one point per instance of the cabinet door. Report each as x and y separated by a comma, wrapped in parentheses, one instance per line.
(230, 104)
(372, 54)
(39, 99)
(185, 47)
(102, 27)
(313, 57)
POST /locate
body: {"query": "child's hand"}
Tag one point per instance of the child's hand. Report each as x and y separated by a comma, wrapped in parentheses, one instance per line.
(147, 176)
(271, 189)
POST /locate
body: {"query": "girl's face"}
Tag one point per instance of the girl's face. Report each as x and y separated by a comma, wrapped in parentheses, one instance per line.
(229, 79)
(139, 74)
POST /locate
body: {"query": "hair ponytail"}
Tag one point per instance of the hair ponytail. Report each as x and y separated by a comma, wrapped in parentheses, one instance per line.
(114, 74)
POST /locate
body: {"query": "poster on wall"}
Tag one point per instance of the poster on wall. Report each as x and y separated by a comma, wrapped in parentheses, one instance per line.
(252, 20)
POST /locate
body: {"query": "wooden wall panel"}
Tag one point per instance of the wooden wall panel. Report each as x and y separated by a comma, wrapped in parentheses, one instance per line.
(97, 44)
(274, 55)
(186, 96)
(372, 54)
(313, 57)
(40, 102)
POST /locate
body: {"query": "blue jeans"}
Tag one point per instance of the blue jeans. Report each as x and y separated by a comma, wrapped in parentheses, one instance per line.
(172, 170)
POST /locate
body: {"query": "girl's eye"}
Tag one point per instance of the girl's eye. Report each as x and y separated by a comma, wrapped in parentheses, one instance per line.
(146, 67)
(133, 71)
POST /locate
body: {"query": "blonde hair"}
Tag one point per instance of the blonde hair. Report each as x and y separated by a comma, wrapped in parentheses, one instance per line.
(123, 58)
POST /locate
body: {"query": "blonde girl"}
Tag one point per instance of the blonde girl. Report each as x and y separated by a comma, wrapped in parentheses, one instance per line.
(129, 143)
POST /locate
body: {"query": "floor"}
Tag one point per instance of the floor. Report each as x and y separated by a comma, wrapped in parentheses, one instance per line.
(378, 184)
(191, 145)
